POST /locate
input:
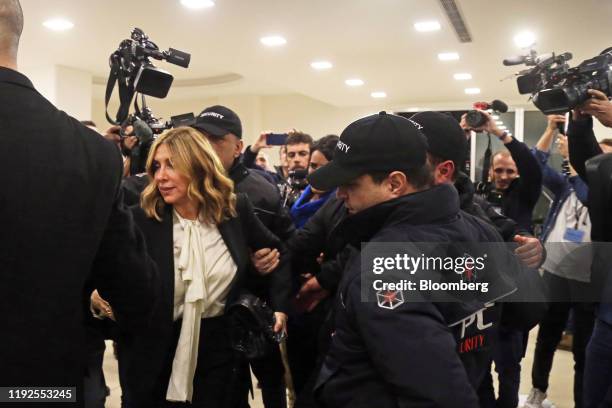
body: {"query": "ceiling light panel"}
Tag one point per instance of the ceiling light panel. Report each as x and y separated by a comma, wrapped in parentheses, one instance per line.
(58, 24)
(472, 91)
(197, 4)
(321, 65)
(378, 94)
(448, 56)
(354, 82)
(427, 26)
(525, 39)
(273, 41)
(463, 76)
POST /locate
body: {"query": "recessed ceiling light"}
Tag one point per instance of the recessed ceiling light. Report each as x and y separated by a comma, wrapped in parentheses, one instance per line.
(427, 26)
(197, 4)
(495, 117)
(320, 65)
(448, 56)
(378, 94)
(502, 127)
(472, 91)
(273, 41)
(462, 76)
(524, 39)
(58, 24)
(354, 82)
(499, 122)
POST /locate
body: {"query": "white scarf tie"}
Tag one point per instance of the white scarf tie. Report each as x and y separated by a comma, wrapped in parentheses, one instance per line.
(193, 272)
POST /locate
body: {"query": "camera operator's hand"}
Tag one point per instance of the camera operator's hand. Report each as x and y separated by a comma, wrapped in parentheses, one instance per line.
(553, 120)
(265, 260)
(530, 251)
(490, 127)
(112, 134)
(261, 142)
(598, 106)
(129, 142)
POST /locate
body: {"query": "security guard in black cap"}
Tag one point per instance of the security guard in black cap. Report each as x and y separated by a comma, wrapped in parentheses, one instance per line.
(392, 352)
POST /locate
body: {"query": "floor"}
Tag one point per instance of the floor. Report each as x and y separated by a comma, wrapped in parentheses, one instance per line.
(560, 391)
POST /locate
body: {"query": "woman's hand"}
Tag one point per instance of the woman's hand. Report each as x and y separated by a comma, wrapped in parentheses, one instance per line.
(281, 323)
(101, 306)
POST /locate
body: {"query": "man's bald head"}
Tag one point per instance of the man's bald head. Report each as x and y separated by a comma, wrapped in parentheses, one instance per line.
(11, 26)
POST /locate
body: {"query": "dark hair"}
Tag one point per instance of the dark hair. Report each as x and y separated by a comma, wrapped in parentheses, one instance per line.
(607, 142)
(420, 177)
(299, 137)
(88, 123)
(326, 145)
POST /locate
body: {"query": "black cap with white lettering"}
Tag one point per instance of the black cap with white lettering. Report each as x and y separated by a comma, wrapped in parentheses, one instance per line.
(376, 143)
(218, 121)
(444, 135)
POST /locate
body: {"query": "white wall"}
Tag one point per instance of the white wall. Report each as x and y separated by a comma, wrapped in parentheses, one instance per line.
(67, 88)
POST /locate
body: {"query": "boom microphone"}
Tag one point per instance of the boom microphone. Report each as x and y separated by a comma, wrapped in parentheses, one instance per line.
(516, 60)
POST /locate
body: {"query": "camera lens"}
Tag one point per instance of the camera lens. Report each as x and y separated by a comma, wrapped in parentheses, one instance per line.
(475, 119)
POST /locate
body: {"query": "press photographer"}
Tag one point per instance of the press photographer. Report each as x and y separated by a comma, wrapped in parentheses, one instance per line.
(585, 157)
(514, 196)
(297, 147)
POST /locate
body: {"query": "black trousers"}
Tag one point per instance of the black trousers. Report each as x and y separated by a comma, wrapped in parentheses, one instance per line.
(303, 345)
(221, 378)
(270, 373)
(551, 329)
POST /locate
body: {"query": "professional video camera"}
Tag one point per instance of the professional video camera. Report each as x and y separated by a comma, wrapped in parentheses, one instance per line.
(475, 119)
(132, 69)
(557, 88)
(291, 189)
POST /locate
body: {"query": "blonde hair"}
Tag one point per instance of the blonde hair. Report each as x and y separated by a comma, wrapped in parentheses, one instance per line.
(192, 156)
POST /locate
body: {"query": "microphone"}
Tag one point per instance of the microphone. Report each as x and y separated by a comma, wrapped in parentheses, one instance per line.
(496, 105)
(516, 60)
(142, 131)
(499, 106)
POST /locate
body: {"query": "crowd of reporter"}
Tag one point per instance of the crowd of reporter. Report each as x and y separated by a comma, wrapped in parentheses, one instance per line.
(154, 243)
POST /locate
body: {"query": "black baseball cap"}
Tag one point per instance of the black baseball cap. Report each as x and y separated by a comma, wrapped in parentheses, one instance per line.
(376, 143)
(444, 135)
(218, 121)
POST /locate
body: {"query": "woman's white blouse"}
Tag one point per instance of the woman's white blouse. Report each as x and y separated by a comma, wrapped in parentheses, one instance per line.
(218, 271)
(203, 274)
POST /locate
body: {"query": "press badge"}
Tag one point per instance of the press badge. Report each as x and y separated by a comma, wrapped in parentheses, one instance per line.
(573, 235)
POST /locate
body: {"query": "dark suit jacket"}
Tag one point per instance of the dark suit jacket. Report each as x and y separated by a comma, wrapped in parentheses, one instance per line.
(144, 353)
(61, 216)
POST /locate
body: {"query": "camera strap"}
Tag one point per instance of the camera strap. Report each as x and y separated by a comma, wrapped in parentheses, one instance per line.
(125, 94)
(486, 161)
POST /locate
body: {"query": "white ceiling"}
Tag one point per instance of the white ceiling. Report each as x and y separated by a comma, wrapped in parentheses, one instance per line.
(370, 39)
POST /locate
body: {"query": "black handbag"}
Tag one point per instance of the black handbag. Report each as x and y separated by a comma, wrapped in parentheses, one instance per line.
(252, 326)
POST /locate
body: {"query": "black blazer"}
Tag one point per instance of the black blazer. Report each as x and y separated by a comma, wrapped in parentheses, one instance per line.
(143, 354)
(61, 215)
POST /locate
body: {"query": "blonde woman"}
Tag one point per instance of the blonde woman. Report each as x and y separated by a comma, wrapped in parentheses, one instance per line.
(200, 234)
